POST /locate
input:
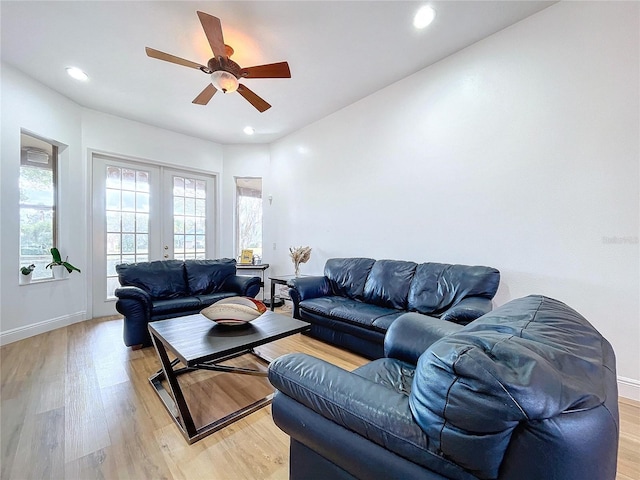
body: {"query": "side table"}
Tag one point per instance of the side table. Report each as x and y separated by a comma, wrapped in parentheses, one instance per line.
(278, 280)
(260, 268)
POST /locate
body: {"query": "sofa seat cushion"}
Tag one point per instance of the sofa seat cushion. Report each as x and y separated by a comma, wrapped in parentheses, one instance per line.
(382, 324)
(208, 276)
(351, 311)
(391, 373)
(183, 304)
(206, 300)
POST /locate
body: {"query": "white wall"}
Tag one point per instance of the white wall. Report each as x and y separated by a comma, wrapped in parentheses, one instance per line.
(519, 152)
(111, 134)
(240, 161)
(27, 104)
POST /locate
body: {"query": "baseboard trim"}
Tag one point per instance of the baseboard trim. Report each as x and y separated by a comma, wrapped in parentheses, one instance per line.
(629, 388)
(27, 331)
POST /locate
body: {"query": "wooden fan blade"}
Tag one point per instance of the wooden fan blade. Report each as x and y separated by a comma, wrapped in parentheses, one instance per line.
(213, 30)
(205, 95)
(271, 70)
(253, 99)
(171, 58)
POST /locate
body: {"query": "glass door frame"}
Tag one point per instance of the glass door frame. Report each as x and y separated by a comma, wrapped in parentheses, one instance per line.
(98, 304)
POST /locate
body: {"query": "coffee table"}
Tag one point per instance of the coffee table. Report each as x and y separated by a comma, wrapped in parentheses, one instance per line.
(200, 344)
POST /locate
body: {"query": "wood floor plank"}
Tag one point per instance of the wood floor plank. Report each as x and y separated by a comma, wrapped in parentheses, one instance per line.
(40, 451)
(85, 422)
(98, 465)
(629, 447)
(77, 404)
(12, 422)
(133, 446)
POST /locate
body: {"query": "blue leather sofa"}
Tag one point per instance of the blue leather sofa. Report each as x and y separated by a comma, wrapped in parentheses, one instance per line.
(358, 299)
(526, 392)
(163, 289)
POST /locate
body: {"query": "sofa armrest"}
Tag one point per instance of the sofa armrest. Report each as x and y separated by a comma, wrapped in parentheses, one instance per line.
(467, 310)
(412, 333)
(131, 296)
(370, 409)
(135, 305)
(242, 285)
(310, 287)
(303, 288)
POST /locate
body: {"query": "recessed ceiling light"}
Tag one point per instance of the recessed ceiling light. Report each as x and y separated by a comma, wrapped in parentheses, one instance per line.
(249, 130)
(424, 17)
(78, 74)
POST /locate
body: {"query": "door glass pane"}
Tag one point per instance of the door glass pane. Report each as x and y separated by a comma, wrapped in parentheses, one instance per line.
(189, 217)
(127, 220)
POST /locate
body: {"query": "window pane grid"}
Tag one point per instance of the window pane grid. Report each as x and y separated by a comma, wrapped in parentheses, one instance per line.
(37, 207)
(189, 218)
(127, 220)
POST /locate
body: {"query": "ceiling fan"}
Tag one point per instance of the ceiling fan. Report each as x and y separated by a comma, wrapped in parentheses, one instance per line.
(224, 72)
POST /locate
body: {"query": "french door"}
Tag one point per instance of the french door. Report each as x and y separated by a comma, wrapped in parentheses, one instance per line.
(144, 212)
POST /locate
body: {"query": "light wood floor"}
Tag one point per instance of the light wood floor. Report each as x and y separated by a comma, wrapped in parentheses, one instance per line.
(76, 404)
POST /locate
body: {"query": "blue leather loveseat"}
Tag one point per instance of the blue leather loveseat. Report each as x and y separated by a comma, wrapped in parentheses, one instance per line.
(163, 289)
(358, 299)
(526, 392)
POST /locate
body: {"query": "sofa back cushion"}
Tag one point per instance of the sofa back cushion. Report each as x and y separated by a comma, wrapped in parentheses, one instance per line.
(347, 276)
(208, 276)
(530, 370)
(436, 287)
(161, 279)
(388, 283)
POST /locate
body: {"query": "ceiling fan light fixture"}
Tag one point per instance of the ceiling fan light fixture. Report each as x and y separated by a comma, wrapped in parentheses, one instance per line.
(224, 81)
(424, 17)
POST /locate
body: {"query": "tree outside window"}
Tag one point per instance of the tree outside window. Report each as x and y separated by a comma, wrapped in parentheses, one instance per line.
(38, 162)
(249, 215)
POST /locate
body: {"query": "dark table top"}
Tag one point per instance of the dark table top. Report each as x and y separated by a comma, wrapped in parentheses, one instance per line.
(195, 339)
(285, 278)
(251, 266)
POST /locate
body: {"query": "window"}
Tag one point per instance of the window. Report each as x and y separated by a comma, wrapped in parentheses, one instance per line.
(127, 220)
(38, 218)
(189, 218)
(249, 215)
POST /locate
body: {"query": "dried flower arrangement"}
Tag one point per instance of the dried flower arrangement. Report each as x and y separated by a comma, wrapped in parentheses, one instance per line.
(299, 255)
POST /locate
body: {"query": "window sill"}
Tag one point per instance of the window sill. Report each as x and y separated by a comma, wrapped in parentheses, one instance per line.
(42, 280)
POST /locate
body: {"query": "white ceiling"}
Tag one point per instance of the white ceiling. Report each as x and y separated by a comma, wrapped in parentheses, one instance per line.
(338, 52)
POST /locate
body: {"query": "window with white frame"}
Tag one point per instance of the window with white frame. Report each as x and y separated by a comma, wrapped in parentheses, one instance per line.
(38, 212)
(249, 215)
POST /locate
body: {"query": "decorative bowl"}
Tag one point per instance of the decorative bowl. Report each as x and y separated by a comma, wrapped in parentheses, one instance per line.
(234, 311)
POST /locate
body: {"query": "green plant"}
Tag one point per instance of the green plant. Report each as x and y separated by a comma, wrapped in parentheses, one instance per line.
(27, 270)
(57, 260)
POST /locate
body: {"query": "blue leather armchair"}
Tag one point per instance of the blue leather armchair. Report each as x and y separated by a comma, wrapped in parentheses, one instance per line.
(358, 299)
(163, 289)
(526, 392)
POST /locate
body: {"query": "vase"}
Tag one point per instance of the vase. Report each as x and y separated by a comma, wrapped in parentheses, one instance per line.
(25, 279)
(59, 271)
(297, 269)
